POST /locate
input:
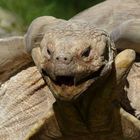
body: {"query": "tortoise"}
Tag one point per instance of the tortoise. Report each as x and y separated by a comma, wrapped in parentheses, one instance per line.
(62, 80)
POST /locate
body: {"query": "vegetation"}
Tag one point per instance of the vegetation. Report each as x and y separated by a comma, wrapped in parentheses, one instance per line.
(30, 9)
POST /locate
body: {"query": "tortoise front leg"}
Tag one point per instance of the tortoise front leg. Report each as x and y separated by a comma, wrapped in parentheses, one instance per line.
(25, 106)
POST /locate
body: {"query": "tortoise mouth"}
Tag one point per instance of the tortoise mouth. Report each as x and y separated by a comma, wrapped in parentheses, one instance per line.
(73, 80)
(70, 87)
(64, 80)
(95, 75)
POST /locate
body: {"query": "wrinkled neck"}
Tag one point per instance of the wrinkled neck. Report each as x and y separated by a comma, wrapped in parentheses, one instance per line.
(95, 112)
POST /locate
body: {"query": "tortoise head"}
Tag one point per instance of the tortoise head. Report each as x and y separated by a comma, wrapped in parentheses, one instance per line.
(70, 55)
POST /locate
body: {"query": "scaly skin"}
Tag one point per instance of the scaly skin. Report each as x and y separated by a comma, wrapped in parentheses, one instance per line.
(78, 64)
(86, 112)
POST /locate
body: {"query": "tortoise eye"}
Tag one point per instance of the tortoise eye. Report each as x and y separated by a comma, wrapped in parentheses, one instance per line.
(48, 51)
(49, 48)
(86, 52)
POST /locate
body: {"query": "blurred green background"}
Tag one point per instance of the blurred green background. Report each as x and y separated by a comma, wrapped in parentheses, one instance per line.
(27, 10)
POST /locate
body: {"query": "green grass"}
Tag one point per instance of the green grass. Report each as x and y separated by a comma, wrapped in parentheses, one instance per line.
(30, 9)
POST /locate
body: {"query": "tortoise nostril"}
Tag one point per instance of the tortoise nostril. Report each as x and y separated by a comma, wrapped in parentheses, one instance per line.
(65, 58)
(61, 58)
(57, 58)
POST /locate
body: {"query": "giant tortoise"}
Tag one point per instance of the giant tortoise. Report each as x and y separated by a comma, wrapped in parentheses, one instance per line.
(64, 79)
